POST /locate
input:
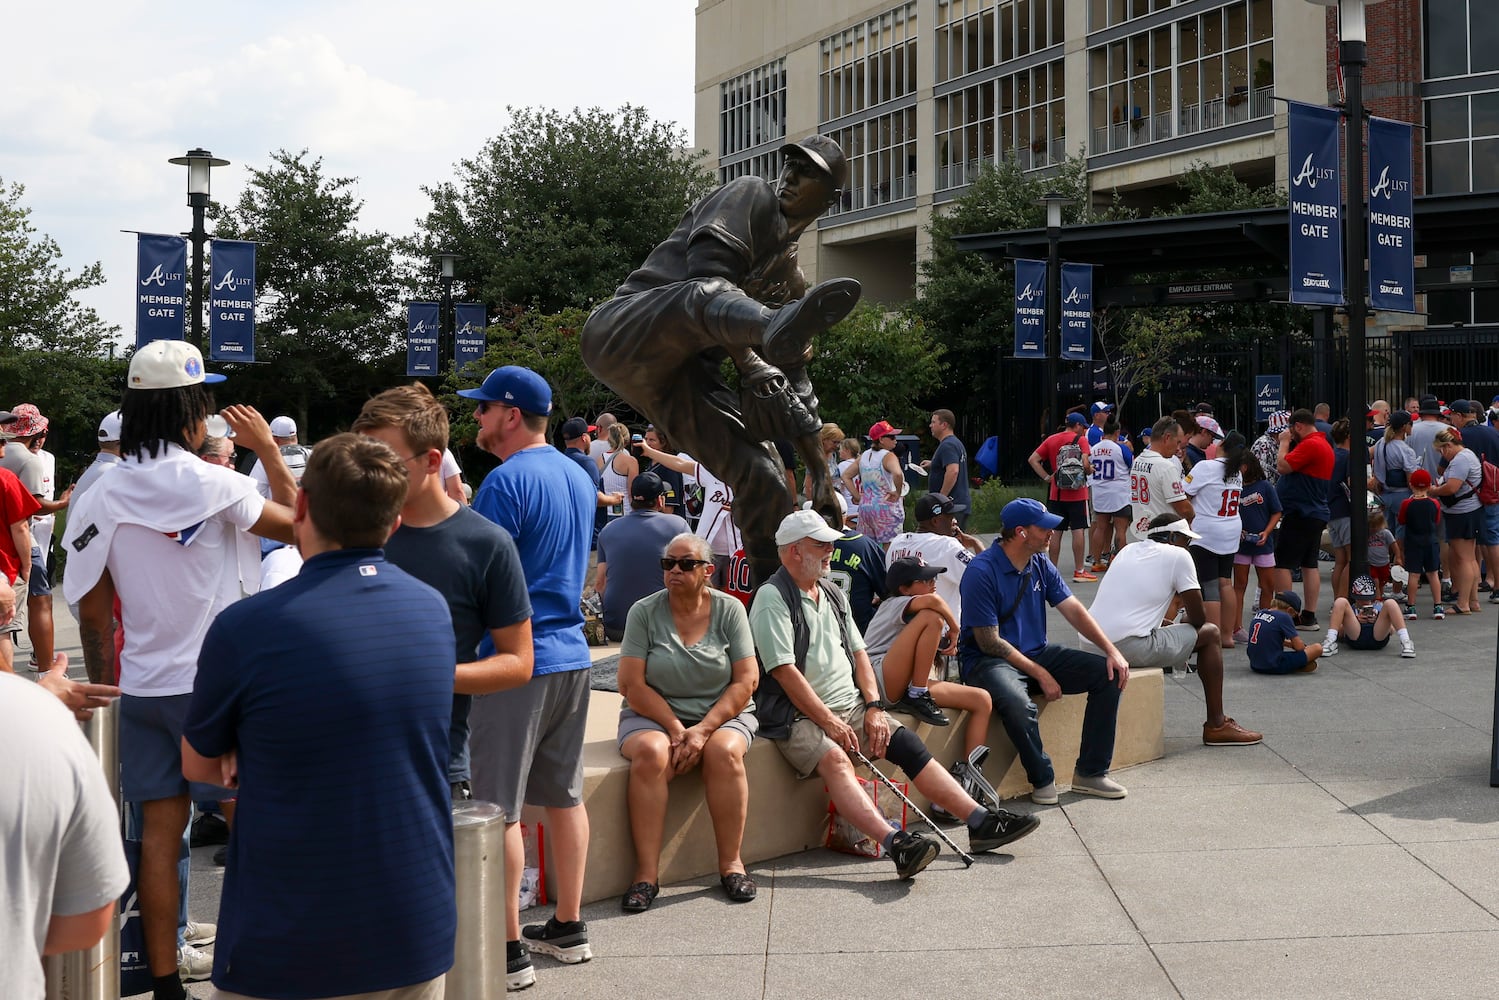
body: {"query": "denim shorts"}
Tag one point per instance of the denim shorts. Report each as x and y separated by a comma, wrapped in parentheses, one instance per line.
(151, 751)
(1488, 525)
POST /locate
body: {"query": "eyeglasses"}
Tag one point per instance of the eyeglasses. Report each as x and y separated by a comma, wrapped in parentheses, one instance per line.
(684, 564)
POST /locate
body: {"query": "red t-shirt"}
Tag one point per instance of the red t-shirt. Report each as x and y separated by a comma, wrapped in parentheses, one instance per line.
(1048, 452)
(16, 504)
(1313, 456)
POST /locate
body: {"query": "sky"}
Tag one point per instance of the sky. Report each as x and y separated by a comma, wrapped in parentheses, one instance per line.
(97, 95)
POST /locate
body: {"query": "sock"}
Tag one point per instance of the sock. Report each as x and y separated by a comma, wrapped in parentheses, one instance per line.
(976, 817)
(513, 950)
(912, 691)
(1332, 635)
(887, 840)
(1404, 634)
(167, 987)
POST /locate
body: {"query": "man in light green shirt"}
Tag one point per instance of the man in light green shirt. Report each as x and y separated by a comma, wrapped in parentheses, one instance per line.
(820, 706)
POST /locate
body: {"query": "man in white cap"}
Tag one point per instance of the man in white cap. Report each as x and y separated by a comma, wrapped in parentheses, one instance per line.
(109, 453)
(1131, 604)
(818, 702)
(166, 532)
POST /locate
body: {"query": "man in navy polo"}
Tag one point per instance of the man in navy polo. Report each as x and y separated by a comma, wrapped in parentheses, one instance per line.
(344, 670)
(527, 744)
(1002, 648)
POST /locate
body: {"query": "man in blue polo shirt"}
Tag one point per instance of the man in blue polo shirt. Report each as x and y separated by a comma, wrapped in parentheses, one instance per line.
(344, 670)
(527, 744)
(1002, 648)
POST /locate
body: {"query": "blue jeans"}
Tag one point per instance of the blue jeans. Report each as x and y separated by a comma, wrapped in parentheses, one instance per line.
(1076, 672)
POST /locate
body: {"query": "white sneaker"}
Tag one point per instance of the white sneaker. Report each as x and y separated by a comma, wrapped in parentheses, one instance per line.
(1100, 785)
(1045, 795)
(198, 935)
(1407, 649)
(194, 965)
(1330, 648)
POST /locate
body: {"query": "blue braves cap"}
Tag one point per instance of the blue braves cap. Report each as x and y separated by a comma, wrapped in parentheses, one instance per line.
(1025, 512)
(514, 386)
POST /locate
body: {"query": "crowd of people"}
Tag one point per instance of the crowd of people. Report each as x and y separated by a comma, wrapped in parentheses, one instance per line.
(344, 603)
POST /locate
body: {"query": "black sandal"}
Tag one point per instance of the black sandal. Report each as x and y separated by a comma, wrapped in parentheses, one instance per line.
(738, 886)
(639, 897)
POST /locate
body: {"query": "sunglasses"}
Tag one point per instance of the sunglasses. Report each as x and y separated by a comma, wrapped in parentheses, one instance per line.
(684, 564)
(485, 404)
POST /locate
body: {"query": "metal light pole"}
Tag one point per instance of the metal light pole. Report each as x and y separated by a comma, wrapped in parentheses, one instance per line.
(1054, 204)
(1353, 55)
(199, 163)
(446, 337)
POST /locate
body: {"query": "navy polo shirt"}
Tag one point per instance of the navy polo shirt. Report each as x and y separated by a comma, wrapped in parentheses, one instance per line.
(335, 689)
(988, 591)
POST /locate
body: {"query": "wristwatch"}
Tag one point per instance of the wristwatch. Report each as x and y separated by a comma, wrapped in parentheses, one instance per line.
(878, 703)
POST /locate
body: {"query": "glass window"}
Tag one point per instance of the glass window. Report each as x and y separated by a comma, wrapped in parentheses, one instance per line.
(1447, 168)
(1446, 38)
(1486, 114)
(1486, 164)
(1446, 119)
(752, 113)
(1484, 25)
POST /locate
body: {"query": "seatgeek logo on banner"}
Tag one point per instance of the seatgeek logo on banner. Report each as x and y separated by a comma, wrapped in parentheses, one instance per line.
(231, 301)
(469, 320)
(1077, 312)
(1316, 206)
(1030, 308)
(1392, 252)
(422, 352)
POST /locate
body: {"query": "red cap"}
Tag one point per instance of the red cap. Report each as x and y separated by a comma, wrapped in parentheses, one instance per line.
(881, 429)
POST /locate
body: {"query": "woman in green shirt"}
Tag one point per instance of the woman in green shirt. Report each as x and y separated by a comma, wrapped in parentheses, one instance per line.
(687, 671)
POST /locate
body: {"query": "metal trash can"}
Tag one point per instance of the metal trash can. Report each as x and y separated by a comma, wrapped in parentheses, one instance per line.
(93, 974)
(478, 971)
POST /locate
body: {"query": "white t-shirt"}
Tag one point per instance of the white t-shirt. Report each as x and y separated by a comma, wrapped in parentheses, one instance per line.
(42, 524)
(174, 569)
(1216, 505)
(597, 450)
(1135, 592)
(1155, 483)
(1110, 480)
(716, 524)
(60, 849)
(279, 565)
(449, 466)
(935, 550)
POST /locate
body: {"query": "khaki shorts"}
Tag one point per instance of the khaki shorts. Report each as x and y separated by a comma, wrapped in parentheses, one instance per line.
(1165, 646)
(18, 623)
(807, 745)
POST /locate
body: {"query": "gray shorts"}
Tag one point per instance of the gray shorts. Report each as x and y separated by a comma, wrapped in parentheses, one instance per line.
(632, 722)
(151, 751)
(526, 745)
(1165, 646)
(807, 745)
(1340, 532)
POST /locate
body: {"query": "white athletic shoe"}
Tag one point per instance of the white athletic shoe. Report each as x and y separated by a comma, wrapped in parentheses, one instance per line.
(1407, 649)
(194, 965)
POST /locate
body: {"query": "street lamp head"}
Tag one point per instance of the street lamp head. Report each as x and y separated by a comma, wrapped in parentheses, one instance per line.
(1351, 26)
(445, 262)
(198, 162)
(1054, 203)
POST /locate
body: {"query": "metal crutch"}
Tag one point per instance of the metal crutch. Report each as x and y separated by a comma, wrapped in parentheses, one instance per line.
(880, 775)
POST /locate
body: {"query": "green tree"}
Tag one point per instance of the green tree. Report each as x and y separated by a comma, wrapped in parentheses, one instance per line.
(328, 320)
(875, 365)
(555, 210)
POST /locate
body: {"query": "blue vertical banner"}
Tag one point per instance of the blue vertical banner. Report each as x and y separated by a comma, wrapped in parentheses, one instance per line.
(231, 301)
(1269, 395)
(1077, 312)
(1030, 308)
(1392, 252)
(1316, 206)
(422, 336)
(469, 321)
(160, 288)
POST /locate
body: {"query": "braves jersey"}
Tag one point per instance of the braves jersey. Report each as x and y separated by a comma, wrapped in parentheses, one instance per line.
(1155, 484)
(1110, 482)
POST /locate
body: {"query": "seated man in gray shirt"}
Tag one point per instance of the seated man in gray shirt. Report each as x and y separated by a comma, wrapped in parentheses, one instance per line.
(630, 550)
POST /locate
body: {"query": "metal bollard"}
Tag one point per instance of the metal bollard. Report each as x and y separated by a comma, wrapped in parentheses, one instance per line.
(93, 974)
(478, 971)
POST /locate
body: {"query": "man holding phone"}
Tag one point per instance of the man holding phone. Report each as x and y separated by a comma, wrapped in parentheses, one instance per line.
(1304, 460)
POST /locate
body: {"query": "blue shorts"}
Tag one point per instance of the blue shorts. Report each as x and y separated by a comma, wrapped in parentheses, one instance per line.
(1365, 638)
(1288, 661)
(39, 586)
(151, 751)
(1488, 525)
(1422, 555)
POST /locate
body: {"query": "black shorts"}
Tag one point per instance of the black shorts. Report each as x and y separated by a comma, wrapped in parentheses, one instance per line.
(1365, 638)
(1460, 526)
(1074, 513)
(1299, 542)
(1422, 555)
(1211, 567)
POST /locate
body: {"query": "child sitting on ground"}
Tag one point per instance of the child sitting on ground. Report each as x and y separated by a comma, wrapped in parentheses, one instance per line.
(903, 640)
(1366, 623)
(1384, 549)
(1420, 515)
(1275, 647)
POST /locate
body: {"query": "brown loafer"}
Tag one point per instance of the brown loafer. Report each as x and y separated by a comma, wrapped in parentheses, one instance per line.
(738, 886)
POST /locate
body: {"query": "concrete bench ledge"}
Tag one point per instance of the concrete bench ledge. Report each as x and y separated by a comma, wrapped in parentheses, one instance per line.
(787, 815)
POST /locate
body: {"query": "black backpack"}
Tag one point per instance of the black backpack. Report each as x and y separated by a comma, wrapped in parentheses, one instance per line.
(773, 709)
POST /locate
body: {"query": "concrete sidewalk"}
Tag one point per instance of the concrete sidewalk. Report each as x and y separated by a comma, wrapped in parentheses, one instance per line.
(1354, 854)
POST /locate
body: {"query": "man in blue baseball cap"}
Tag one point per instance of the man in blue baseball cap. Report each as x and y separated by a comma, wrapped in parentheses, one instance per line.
(526, 744)
(1002, 648)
